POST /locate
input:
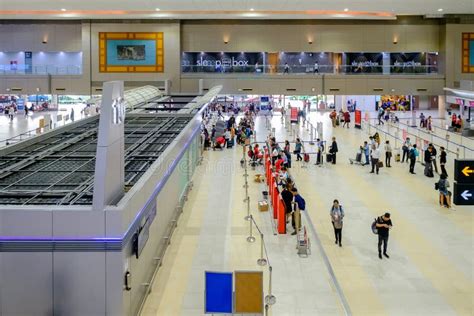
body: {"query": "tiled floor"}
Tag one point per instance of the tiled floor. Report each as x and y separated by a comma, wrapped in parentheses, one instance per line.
(22, 124)
(430, 271)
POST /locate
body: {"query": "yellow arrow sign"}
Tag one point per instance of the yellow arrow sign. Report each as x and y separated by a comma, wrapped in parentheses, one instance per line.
(467, 170)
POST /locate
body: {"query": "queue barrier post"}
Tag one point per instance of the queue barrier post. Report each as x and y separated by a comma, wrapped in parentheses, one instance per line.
(261, 261)
(270, 299)
(275, 204)
(250, 238)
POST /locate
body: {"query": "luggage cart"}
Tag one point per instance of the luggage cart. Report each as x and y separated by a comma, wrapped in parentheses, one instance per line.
(357, 160)
(303, 244)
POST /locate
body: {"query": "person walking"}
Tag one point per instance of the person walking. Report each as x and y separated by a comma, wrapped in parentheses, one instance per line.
(337, 215)
(412, 154)
(347, 119)
(406, 149)
(388, 154)
(383, 224)
(72, 115)
(26, 110)
(380, 116)
(316, 68)
(286, 68)
(298, 150)
(320, 146)
(375, 158)
(444, 196)
(442, 161)
(434, 152)
(333, 117)
(333, 150)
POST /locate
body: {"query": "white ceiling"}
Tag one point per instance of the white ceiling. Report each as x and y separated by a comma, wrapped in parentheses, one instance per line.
(229, 9)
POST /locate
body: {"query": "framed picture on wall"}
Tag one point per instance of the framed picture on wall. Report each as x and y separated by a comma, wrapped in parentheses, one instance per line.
(131, 52)
(467, 52)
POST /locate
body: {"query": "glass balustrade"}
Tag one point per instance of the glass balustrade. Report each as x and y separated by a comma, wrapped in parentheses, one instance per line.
(40, 70)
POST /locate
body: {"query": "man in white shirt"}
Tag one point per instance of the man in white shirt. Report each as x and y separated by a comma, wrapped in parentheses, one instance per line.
(375, 158)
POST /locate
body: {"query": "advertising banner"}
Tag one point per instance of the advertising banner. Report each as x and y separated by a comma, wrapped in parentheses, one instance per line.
(358, 118)
(222, 62)
(306, 62)
(408, 62)
(294, 114)
(362, 62)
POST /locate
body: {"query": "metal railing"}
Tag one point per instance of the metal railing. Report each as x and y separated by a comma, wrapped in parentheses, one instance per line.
(309, 69)
(263, 260)
(393, 131)
(40, 70)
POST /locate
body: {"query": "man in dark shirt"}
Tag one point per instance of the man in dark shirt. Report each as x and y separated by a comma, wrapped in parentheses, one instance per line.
(384, 224)
(287, 198)
(333, 150)
(442, 161)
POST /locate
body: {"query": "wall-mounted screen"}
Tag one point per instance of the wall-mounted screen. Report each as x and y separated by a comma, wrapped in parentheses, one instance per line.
(468, 52)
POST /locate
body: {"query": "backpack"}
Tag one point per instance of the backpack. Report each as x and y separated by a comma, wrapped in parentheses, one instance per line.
(441, 185)
(302, 204)
(374, 227)
(411, 153)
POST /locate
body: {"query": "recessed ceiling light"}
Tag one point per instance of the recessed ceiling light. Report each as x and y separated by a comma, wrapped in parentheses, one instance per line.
(440, 10)
(346, 9)
(157, 9)
(252, 9)
(64, 10)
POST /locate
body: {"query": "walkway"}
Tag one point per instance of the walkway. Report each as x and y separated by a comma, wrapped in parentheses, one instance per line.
(429, 273)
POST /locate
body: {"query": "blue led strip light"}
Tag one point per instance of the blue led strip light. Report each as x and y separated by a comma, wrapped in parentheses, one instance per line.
(48, 244)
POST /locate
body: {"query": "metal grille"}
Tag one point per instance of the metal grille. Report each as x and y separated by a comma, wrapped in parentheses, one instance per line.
(59, 170)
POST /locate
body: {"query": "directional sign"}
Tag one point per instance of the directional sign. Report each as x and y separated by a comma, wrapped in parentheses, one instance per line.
(464, 171)
(463, 194)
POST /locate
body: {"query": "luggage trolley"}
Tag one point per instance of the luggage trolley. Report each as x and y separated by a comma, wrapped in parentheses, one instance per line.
(358, 159)
(303, 244)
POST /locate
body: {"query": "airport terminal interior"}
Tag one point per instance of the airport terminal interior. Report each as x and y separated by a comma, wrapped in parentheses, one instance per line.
(286, 158)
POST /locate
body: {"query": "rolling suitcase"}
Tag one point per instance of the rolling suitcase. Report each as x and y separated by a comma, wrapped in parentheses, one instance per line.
(429, 171)
(397, 158)
(306, 158)
(230, 143)
(328, 157)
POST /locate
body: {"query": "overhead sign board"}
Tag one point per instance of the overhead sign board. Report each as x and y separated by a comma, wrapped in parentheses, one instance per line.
(464, 171)
(463, 194)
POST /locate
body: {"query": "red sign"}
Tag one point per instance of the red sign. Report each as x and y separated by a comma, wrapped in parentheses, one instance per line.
(459, 101)
(294, 114)
(471, 103)
(358, 118)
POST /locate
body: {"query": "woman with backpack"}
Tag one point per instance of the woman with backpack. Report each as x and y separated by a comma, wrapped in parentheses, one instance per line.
(337, 214)
(442, 186)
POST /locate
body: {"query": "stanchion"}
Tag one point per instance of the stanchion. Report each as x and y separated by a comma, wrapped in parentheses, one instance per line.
(262, 261)
(270, 299)
(248, 217)
(251, 238)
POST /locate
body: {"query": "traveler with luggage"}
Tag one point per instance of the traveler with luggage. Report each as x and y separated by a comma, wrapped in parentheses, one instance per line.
(337, 215)
(375, 159)
(366, 150)
(406, 149)
(444, 195)
(333, 151)
(442, 161)
(383, 225)
(412, 154)
(388, 154)
(428, 163)
(300, 205)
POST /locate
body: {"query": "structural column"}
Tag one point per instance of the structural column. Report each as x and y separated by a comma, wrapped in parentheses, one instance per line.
(442, 107)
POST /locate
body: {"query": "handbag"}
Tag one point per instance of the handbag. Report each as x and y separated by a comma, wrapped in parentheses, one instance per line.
(380, 164)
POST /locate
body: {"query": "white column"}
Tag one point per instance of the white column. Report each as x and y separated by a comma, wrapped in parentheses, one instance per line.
(344, 103)
(442, 107)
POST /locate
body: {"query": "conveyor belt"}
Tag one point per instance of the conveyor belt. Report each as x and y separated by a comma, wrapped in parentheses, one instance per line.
(60, 169)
